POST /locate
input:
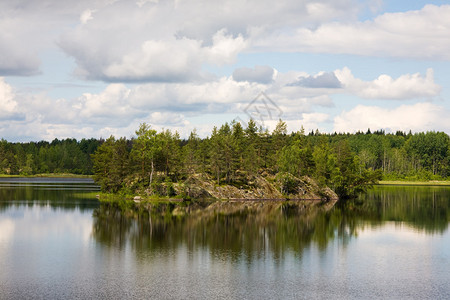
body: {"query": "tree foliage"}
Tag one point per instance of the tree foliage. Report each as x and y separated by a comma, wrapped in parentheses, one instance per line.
(58, 156)
(348, 163)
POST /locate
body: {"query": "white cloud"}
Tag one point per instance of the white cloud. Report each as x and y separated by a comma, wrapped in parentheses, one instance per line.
(8, 104)
(17, 57)
(223, 92)
(29, 27)
(167, 119)
(86, 16)
(261, 74)
(173, 60)
(169, 60)
(309, 122)
(149, 40)
(202, 19)
(385, 87)
(141, 3)
(417, 117)
(413, 34)
(138, 48)
(111, 107)
(119, 108)
(321, 80)
(158, 54)
(313, 121)
(224, 48)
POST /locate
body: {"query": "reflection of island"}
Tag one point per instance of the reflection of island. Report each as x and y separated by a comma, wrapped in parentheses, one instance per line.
(276, 228)
(242, 231)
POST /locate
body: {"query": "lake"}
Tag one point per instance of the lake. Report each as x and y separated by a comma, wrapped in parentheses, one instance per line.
(57, 241)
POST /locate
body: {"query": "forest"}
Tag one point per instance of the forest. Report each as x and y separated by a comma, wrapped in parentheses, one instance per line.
(344, 162)
(59, 156)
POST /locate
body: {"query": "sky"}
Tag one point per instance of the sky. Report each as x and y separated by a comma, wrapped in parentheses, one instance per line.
(96, 68)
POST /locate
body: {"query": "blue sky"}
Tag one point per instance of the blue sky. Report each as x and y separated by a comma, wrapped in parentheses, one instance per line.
(99, 68)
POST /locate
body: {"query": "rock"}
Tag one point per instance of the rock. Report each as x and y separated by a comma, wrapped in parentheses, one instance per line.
(201, 186)
(137, 199)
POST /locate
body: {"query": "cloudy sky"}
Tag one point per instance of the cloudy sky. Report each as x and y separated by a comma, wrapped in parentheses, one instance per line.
(95, 68)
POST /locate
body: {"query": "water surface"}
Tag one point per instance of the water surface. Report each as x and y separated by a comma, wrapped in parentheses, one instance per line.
(56, 241)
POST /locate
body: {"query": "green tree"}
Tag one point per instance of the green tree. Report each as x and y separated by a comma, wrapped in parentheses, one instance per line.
(296, 159)
(111, 164)
(239, 145)
(29, 165)
(351, 178)
(146, 147)
(191, 153)
(216, 162)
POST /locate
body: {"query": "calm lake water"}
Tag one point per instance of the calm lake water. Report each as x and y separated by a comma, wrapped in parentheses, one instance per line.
(56, 241)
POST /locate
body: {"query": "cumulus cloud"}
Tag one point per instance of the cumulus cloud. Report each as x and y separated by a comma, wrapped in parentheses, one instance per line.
(29, 27)
(417, 117)
(119, 108)
(170, 60)
(326, 80)
(261, 74)
(212, 96)
(110, 107)
(167, 119)
(16, 55)
(8, 104)
(224, 48)
(201, 19)
(86, 16)
(164, 60)
(155, 55)
(408, 86)
(195, 33)
(309, 122)
(413, 34)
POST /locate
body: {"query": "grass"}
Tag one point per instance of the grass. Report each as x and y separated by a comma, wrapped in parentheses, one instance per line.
(400, 182)
(111, 197)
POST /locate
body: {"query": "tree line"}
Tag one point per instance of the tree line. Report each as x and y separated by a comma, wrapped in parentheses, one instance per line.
(231, 153)
(419, 156)
(58, 156)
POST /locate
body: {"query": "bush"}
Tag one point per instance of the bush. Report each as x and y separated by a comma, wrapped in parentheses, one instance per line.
(288, 183)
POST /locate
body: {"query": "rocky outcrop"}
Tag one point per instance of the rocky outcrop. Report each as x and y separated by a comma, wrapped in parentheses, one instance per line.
(200, 186)
(258, 195)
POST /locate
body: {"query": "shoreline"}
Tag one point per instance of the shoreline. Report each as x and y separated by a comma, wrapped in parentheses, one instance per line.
(49, 175)
(418, 183)
(211, 207)
(111, 197)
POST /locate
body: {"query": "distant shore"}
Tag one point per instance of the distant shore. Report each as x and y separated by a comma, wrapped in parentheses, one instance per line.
(50, 175)
(429, 183)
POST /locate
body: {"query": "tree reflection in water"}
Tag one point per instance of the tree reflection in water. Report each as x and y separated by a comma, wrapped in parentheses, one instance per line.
(249, 234)
(57, 193)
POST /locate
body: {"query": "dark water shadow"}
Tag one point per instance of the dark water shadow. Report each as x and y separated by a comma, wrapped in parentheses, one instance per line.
(250, 235)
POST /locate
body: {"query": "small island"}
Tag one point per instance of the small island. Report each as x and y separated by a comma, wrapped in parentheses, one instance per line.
(237, 162)
(232, 165)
